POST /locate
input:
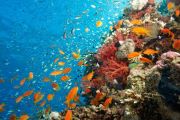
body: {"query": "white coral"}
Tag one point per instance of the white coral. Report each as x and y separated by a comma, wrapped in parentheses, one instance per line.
(138, 4)
(54, 116)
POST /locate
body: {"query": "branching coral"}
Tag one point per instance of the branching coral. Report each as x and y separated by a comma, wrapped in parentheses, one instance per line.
(106, 51)
(113, 69)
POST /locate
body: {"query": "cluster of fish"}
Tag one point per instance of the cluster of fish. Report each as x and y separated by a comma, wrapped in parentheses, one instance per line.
(142, 56)
(38, 96)
(139, 55)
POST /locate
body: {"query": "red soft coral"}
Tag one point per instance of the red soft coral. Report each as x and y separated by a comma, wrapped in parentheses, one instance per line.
(114, 69)
(97, 82)
(106, 51)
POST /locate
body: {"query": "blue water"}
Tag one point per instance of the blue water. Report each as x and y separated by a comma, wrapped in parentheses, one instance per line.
(31, 32)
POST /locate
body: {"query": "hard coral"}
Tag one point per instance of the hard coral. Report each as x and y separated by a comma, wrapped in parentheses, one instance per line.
(114, 69)
(106, 51)
(126, 48)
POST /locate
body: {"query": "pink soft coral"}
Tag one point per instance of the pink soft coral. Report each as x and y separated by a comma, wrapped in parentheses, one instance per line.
(138, 42)
(113, 69)
(106, 51)
(119, 36)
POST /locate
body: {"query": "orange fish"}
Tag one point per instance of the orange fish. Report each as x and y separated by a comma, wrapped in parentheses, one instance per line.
(133, 55)
(75, 55)
(66, 70)
(141, 31)
(56, 72)
(24, 117)
(30, 76)
(89, 76)
(118, 25)
(22, 81)
(2, 107)
(61, 63)
(1, 80)
(18, 99)
(46, 79)
(48, 109)
(176, 44)
(80, 63)
(145, 60)
(56, 60)
(50, 97)
(38, 97)
(28, 93)
(111, 28)
(72, 105)
(170, 5)
(87, 90)
(177, 12)
(68, 115)
(167, 31)
(55, 86)
(43, 103)
(94, 102)
(71, 95)
(61, 52)
(99, 96)
(99, 23)
(65, 78)
(107, 102)
(150, 52)
(76, 98)
(13, 117)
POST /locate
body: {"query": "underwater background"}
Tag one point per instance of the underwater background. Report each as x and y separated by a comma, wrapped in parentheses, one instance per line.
(32, 33)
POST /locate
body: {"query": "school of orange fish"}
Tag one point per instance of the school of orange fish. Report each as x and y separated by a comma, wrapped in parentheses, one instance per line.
(73, 97)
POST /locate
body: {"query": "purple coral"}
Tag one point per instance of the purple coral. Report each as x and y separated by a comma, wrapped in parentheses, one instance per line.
(166, 58)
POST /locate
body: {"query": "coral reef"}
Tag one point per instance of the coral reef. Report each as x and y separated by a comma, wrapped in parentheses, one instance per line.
(167, 59)
(140, 89)
(169, 84)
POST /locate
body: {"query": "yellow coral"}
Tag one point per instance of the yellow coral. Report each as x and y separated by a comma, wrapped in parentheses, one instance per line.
(141, 31)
